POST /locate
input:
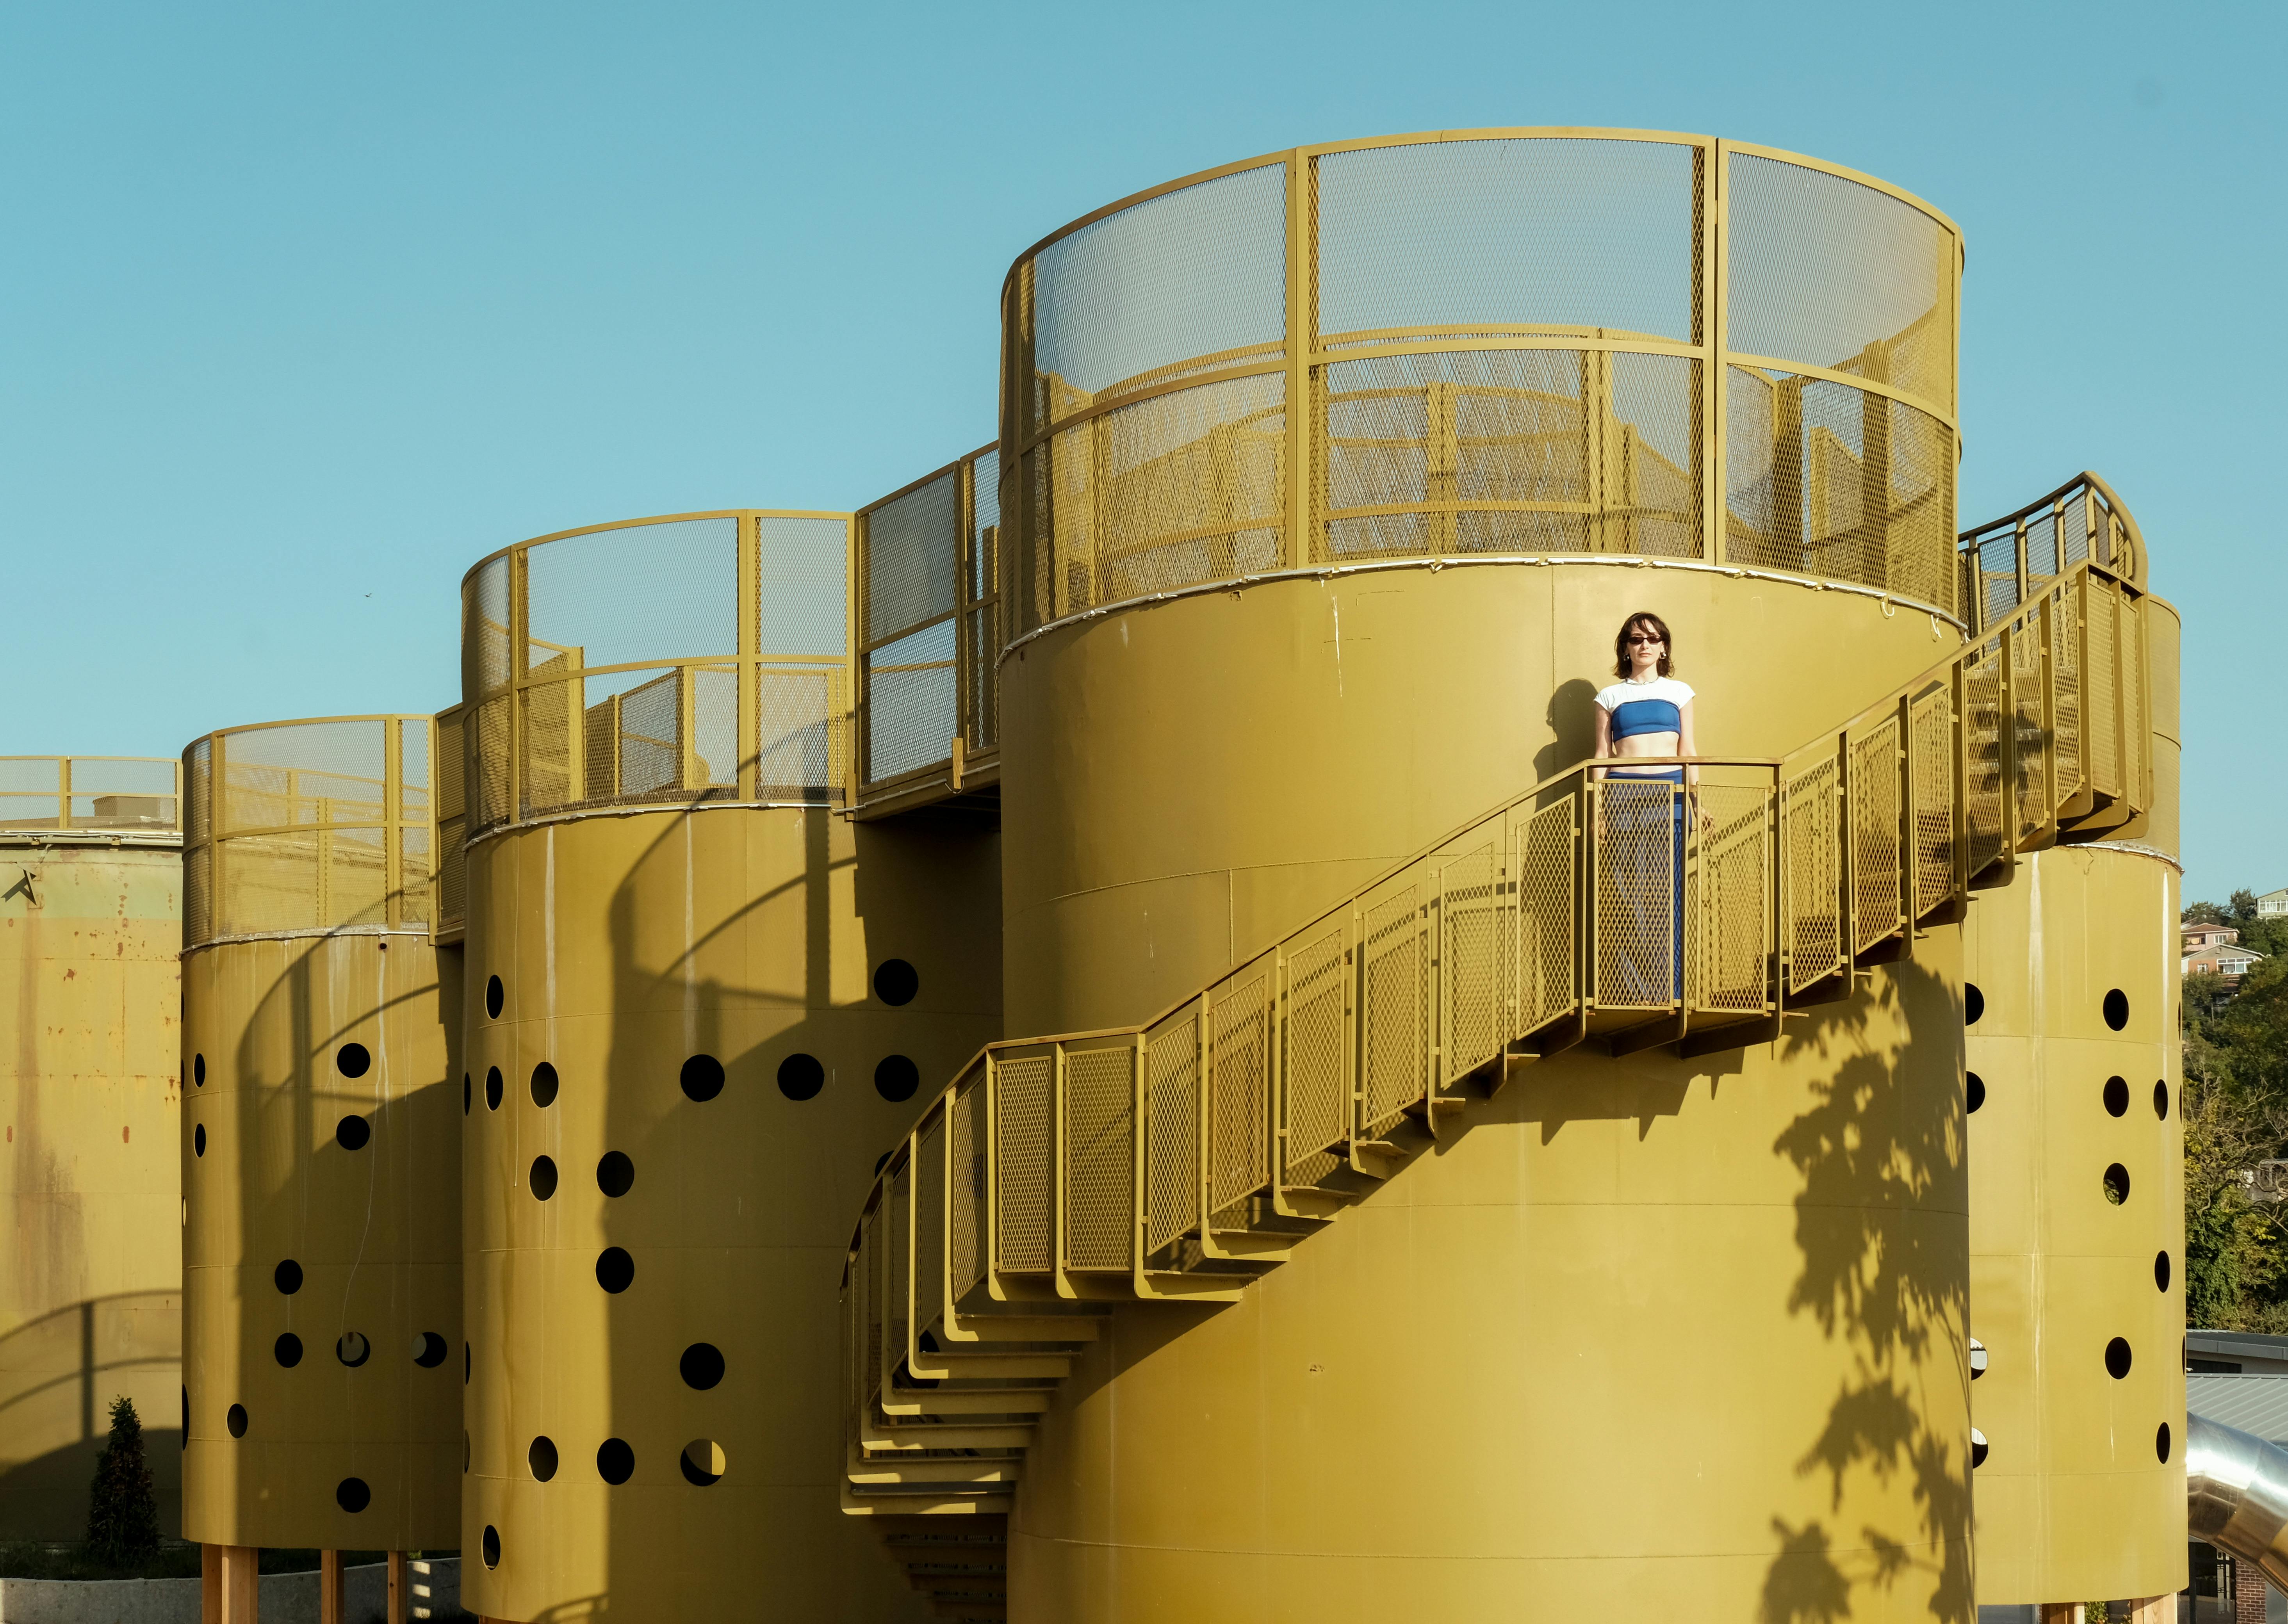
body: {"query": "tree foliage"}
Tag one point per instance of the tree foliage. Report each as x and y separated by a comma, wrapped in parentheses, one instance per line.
(122, 1513)
(2235, 1109)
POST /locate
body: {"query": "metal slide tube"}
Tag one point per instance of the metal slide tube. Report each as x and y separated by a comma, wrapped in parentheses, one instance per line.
(2237, 1494)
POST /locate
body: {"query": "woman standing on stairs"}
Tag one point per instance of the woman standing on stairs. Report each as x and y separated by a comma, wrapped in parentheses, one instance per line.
(1643, 810)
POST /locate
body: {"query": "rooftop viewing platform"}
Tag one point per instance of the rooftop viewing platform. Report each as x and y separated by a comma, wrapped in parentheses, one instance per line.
(63, 799)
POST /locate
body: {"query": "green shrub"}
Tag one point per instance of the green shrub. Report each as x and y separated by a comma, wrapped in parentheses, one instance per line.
(122, 1513)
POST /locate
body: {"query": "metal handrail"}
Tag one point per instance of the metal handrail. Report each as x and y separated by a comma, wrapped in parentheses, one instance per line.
(1176, 1157)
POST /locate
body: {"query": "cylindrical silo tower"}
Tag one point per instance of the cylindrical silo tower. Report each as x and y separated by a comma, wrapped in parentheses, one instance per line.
(711, 953)
(91, 1300)
(2077, 1208)
(1469, 1185)
(321, 1151)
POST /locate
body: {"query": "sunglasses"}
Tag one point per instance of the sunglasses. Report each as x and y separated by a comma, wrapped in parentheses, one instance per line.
(1637, 638)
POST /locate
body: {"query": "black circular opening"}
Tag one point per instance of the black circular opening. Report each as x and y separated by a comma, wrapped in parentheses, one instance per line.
(199, 1140)
(352, 1495)
(234, 1418)
(2117, 1357)
(1977, 1447)
(896, 1078)
(1977, 1359)
(2116, 1183)
(615, 1175)
(495, 996)
(544, 1084)
(2161, 1101)
(352, 1060)
(199, 1070)
(492, 1088)
(702, 1366)
(468, 1364)
(801, 1077)
(352, 1132)
(491, 1543)
(544, 1177)
(615, 1270)
(1974, 1003)
(2116, 1009)
(541, 1458)
(2117, 1097)
(429, 1350)
(2160, 1271)
(895, 981)
(703, 1077)
(1973, 1091)
(615, 1463)
(353, 1348)
(468, 1096)
(465, 1452)
(287, 1349)
(2161, 1443)
(703, 1462)
(287, 1277)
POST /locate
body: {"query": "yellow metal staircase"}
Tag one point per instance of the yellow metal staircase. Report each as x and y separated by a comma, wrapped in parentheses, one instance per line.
(1180, 1159)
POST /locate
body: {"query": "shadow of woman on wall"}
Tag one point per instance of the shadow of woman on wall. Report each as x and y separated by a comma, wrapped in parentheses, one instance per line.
(1882, 1225)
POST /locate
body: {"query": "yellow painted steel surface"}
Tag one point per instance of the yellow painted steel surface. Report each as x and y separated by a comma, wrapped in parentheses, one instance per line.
(90, 1305)
(694, 1027)
(320, 1151)
(2077, 1229)
(1302, 459)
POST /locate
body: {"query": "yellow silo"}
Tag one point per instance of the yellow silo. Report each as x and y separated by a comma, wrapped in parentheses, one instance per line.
(2077, 1216)
(701, 996)
(1446, 1208)
(90, 1300)
(321, 1155)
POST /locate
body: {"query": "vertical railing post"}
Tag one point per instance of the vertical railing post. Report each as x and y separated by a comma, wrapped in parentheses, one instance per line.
(1302, 336)
(1203, 1130)
(2049, 679)
(750, 532)
(1910, 827)
(1959, 738)
(519, 652)
(63, 792)
(1588, 853)
(1847, 856)
(2018, 534)
(1138, 1206)
(1714, 335)
(1060, 1154)
(990, 1240)
(2006, 741)
(392, 797)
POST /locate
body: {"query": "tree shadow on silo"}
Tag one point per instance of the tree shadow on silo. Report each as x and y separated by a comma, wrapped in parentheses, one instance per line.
(57, 1375)
(1884, 1243)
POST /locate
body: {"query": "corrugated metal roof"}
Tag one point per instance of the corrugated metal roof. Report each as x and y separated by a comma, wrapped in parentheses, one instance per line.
(2257, 1405)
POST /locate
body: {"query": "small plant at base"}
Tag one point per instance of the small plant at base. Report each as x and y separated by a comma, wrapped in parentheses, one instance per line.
(122, 1513)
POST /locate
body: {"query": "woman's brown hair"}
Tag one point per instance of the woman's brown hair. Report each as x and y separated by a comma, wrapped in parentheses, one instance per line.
(1651, 623)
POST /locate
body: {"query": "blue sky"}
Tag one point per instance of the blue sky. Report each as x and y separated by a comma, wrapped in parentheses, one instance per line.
(305, 308)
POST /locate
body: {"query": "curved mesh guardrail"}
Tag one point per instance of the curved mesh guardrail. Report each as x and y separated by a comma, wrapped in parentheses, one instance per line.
(1177, 1157)
(700, 657)
(309, 827)
(2007, 559)
(96, 796)
(449, 916)
(1484, 343)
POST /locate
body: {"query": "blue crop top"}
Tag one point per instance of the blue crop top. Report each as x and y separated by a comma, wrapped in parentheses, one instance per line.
(1655, 707)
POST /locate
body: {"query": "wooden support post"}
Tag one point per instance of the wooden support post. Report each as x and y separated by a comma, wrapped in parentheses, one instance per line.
(333, 1599)
(397, 1588)
(2154, 1610)
(239, 1589)
(209, 1584)
(2060, 1613)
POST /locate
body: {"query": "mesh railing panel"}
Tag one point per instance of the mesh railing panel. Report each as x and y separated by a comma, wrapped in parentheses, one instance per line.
(913, 555)
(1172, 1077)
(971, 1185)
(1731, 948)
(1875, 894)
(1473, 921)
(312, 826)
(1510, 451)
(1933, 830)
(621, 666)
(1810, 833)
(1983, 811)
(1184, 278)
(912, 693)
(1640, 902)
(452, 902)
(1316, 1095)
(1546, 887)
(1392, 1043)
(1242, 1034)
(1024, 1160)
(1825, 480)
(981, 633)
(1488, 236)
(2028, 654)
(1100, 1135)
(118, 794)
(1830, 272)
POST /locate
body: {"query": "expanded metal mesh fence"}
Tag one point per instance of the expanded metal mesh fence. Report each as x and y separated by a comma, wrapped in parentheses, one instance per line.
(111, 795)
(927, 614)
(697, 658)
(1500, 343)
(308, 828)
